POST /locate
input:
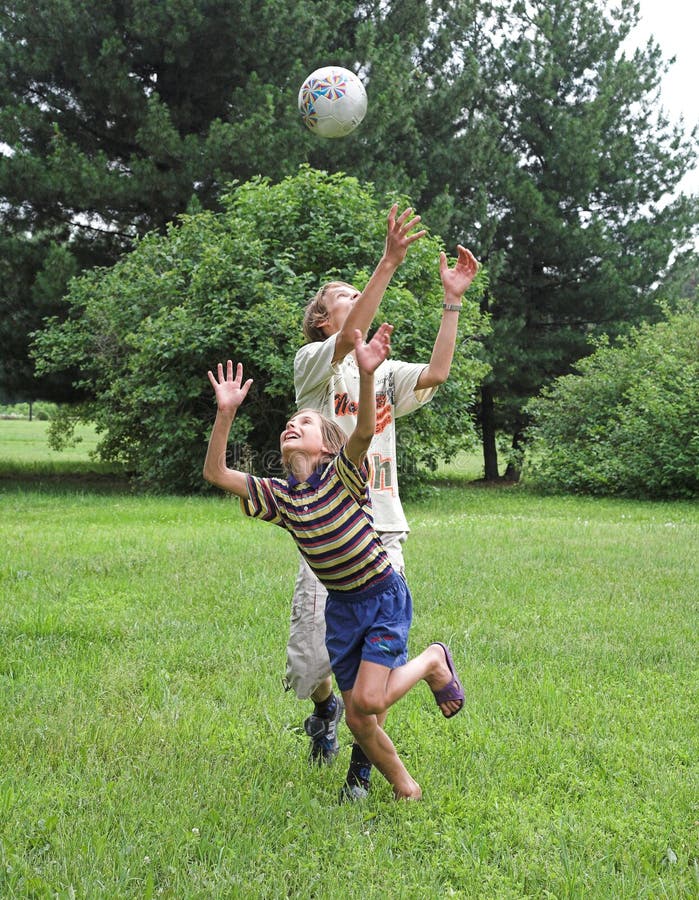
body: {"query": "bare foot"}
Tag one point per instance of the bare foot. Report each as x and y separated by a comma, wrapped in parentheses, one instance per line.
(408, 792)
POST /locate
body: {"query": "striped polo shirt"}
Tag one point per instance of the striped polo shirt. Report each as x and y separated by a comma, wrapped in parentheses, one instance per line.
(329, 517)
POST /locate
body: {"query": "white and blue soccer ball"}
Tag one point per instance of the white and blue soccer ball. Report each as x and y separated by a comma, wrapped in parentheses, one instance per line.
(332, 101)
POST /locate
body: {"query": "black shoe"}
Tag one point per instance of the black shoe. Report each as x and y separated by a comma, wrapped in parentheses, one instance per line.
(353, 793)
(323, 735)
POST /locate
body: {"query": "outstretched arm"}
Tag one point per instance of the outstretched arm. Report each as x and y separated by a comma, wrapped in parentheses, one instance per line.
(398, 240)
(230, 393)
(456, 282)
(369, 358)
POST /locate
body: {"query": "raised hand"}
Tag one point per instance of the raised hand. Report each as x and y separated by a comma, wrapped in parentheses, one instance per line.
(456, 281)
(371, 355)
(398, 237)
(230, 392)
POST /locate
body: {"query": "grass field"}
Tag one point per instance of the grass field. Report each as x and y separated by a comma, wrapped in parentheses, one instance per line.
(25, 443)
(147, 748)
(26, 456)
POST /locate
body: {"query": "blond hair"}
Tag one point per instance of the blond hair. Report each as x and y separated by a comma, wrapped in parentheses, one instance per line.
(316, 313)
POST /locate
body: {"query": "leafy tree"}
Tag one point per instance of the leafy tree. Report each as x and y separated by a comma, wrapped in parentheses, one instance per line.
(116, 114)
(116, 117)
(628, 422)
(681, 281)
(32, 274)
(234, 285)
(573, 227)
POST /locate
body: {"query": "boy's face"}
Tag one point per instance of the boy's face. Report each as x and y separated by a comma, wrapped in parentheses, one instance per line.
(303, 434)
(339, 300)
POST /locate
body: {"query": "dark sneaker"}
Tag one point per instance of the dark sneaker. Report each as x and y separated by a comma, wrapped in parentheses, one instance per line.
(323, 735)
(353, 793)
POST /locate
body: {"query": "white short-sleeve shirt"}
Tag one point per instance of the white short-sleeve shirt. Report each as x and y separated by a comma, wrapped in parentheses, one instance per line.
(333, 390)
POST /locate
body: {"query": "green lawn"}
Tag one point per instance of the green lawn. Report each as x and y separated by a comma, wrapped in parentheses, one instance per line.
(148, 750)
(22, 441)
(26, 456)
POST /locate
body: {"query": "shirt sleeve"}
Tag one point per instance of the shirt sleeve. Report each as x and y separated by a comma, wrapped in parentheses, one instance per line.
(261, 503)
(407, 398)
(313, 372)
(356, 480)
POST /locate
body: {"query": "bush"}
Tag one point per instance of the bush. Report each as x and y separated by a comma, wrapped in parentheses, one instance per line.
(233, 285)
(628, 422)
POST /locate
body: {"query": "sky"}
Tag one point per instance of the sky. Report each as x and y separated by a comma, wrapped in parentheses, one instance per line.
(675, 26)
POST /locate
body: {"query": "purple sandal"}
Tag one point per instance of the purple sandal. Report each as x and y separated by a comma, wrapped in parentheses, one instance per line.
(453, 690)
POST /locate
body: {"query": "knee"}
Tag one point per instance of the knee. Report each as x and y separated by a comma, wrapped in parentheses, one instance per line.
(368, 703)
(360, 724)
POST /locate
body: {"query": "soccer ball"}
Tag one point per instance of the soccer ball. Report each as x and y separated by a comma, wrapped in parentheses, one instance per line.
(332, 102)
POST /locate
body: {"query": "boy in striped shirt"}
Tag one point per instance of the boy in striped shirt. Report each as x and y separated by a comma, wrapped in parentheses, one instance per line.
(324, 504)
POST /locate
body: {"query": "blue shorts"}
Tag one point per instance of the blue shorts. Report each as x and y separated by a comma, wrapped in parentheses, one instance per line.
(371, 625)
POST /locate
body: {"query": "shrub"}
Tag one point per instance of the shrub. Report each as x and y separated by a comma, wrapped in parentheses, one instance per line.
(628, 422)
(234, 285)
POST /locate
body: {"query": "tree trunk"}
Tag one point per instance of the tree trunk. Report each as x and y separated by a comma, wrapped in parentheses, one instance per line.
(490, 450)
(514, 466)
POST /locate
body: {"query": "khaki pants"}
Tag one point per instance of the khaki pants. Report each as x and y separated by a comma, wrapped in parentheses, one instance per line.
(307, 662)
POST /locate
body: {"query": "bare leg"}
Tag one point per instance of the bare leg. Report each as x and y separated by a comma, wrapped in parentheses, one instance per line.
(378, 687)
(377, 745)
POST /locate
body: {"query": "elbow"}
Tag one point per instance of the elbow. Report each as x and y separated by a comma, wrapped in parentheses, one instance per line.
(432, 378)
(344, 344)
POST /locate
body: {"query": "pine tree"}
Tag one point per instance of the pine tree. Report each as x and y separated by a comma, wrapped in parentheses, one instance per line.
(575, 231)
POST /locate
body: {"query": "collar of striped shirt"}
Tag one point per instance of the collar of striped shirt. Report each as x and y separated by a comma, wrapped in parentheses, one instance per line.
(313, 479)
